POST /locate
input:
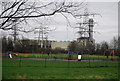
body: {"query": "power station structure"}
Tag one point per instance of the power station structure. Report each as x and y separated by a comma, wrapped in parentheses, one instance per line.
(85, 31)
(85, 39)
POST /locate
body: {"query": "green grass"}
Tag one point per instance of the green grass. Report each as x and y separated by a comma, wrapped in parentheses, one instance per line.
(41, 69)
(65, 56)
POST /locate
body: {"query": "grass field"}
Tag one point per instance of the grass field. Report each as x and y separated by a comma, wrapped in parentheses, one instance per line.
(65, 56)
(44, 69)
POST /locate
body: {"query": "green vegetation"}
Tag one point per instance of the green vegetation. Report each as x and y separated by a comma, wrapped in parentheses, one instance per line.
(44, 69)
(65, 56)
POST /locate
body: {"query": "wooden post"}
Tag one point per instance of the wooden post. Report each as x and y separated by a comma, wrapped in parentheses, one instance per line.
(20, 62)
(45, 62)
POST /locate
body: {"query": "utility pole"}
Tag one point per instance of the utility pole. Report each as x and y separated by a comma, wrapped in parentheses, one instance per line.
(42, 36)
(15, 33)
(39, 37)
(42, 42)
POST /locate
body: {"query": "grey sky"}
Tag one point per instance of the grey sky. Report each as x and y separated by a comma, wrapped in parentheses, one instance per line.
(107, 24)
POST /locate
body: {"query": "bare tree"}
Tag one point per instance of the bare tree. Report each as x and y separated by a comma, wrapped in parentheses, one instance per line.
(23, 10)
(104, 45)
(119, 42)
(73, 46)
(114, 43)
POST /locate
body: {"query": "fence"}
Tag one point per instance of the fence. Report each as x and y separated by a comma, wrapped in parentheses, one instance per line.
(59, 61)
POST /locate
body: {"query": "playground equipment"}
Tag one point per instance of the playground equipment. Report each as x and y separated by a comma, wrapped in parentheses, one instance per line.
(74, 55)
(112, 53)
(55, 57)
(10, 54)
(79, 56)
(70, 55)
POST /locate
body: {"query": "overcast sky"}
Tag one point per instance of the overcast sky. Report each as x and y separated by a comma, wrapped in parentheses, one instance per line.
(108, 24)
(106, 28)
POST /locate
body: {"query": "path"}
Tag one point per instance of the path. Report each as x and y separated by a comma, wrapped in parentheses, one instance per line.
(71, 60)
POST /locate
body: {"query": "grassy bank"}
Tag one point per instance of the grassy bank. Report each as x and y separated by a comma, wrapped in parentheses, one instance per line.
(41, 69)
(65, 56)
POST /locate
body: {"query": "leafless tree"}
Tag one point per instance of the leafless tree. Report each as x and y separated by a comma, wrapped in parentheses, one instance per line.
(114, 43)
(101, 47)
(21, 11)
(104, 45)
(73, 46)
(119, 42)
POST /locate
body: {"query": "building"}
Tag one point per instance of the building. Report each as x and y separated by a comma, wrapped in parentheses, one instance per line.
(87, 45)
(60, 44)
(83, 43)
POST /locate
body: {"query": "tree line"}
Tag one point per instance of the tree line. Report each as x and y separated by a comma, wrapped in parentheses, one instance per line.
(97, 48)
(25, 46)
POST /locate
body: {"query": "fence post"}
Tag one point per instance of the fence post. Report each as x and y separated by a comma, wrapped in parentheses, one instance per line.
(45, 62)
(20, 62)
(68, 63)
(106, 62)
(89, 60)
